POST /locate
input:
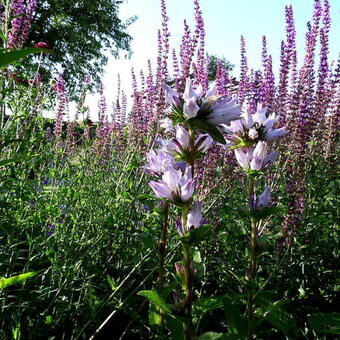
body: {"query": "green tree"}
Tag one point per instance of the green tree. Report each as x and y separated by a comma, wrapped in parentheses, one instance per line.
(214, 59)
(82, 34)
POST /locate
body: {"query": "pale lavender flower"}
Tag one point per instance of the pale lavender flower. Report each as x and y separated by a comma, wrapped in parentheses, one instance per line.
(214, 109)
(256, 158)
(194, 220)
(262, 201)
(50, 230)
(158, 162)
(166, 124)
(254, 127)
(180, 145)
(176, 185)
(172, 97)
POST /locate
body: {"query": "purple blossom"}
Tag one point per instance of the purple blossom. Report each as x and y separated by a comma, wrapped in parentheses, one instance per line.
(62, 107)
(180, 145)
(214, 109)
(254, 127)
(262, 201)
(256, 158)
(194, 220)
(158, 162)
(50, 230)
(22, 12)
(176, 185)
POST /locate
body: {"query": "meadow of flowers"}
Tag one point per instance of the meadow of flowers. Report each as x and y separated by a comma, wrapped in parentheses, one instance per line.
(207, 210)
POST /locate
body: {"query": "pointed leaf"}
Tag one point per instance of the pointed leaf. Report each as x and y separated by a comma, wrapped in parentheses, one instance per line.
(326, 323)
(273, 313)
(7, 58)
(203, 126)
(154, 297)
(204, 305)
(18, 278)
(176, 328)
(236, 323)
(216, 336)
(197, 234)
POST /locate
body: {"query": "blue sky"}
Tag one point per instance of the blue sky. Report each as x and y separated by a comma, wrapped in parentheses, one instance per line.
(225, 21)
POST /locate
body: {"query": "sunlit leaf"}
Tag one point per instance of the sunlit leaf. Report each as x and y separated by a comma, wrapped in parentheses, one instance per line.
(6, 282)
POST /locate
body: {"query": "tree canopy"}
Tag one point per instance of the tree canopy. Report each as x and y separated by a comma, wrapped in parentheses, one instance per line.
(82, 34)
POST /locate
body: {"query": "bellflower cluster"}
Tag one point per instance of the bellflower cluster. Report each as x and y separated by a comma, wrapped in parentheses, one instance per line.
(252, 128)
(211, 108)
(175, 185)
(256, 158)
(180, 145)
(158, 162)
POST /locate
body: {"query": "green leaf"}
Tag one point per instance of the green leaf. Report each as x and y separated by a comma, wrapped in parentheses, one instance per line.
(205, 305)
(236, 323)
(264, 213)
(7, 58)
(154, 298)
(154, 316)
(215, 336)
(273, 313)
(111, 282)
(49, 319)
(4, 283)
(176, 328)
(203, 126)
(197, 234)
(327, 323)
(5, 162)
(241, 144)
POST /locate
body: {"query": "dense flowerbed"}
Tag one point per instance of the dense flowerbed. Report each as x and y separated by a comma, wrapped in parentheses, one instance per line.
(208, 210)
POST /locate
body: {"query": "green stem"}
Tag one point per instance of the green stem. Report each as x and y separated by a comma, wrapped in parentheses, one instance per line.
(187, 251)
(188, 282)
(253, 260)
(162, 243)
(162, 251)
(191, 148)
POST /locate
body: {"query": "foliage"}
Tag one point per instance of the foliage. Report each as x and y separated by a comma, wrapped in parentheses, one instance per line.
(78, 221)
(82, 34)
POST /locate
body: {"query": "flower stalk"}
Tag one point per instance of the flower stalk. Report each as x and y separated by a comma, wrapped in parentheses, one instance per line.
(162, 243)
(253, 259)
